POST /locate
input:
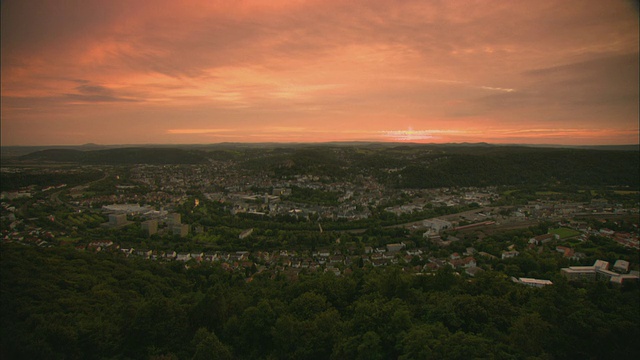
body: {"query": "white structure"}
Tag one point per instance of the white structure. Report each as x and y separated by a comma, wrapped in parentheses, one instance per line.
(436, 225)
(533, 282)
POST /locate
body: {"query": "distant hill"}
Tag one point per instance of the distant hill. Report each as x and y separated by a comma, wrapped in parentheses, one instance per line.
(122, 156)
(394, 164)
(444, 165)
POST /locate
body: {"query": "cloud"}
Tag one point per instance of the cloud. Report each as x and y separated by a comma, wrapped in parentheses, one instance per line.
(356, 66)
(497, 89)
(199, 131)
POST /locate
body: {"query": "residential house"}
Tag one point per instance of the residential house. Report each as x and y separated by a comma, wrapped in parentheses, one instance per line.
(509, 254)
(395, 247)
(473, 271)
(541, 239)
(183, 257)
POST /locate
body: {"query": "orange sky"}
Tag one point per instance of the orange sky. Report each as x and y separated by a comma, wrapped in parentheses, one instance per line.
(138, 72)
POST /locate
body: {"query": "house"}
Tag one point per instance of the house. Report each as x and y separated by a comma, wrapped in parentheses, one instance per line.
(469, 262)
(416, 252)
(607, 232)
(509, 254)
(144, 253)
(473, 271)
(565, 251)
(99, 245)
(470, 251)
(324, 253)
(183, 257)
(395, 247)
(541, 239)
(487, 255)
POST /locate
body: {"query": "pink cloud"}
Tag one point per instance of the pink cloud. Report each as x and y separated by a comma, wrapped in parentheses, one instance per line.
(339, 70)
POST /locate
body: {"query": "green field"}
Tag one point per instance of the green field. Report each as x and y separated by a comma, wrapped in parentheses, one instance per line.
(564, 233)
(548, 193)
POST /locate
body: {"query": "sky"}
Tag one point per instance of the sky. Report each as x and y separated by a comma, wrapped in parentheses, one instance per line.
(197, 72)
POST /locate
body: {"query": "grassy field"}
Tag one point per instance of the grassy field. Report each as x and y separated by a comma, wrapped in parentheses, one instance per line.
(547, 193)
(564, 233)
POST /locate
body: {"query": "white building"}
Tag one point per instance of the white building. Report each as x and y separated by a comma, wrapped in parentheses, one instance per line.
(437, 225)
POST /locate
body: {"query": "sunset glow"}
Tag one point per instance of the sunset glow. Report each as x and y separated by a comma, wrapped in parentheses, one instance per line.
(151, 72)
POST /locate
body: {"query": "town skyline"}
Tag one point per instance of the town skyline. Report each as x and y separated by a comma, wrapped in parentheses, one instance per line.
(549, 72)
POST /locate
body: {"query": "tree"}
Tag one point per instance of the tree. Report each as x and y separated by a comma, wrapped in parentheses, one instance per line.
(209, 347)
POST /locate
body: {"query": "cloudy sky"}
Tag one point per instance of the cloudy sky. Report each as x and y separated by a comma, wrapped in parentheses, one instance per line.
(137, 72)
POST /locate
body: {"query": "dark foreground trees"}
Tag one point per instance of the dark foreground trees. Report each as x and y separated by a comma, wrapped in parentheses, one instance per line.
(64, 304)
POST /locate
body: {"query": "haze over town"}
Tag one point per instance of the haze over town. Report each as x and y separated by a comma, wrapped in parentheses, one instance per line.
(122, 72)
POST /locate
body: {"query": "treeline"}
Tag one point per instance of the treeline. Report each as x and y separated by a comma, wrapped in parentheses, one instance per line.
(531, 167)
(120, 156)
(64, 304)
(18, 180)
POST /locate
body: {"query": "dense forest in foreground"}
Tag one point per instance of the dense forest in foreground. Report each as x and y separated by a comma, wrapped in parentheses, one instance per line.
(58, 303)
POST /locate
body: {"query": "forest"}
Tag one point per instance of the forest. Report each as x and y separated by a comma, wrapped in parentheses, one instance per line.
(59, 303)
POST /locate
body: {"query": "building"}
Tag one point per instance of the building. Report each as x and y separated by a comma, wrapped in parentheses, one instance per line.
(150, 227)
(245, 233)
(598, 271)
(509, 254)
(539, 283)
(621, 266)
(436, 225)
(173, 219)
(117, 220)
(181, 230)
(579, 273)
(395, 247)
(542, 239)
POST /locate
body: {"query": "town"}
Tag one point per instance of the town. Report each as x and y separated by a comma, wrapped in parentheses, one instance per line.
(254, 221)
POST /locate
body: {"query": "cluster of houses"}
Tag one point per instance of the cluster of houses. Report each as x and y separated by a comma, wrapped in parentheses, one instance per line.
(292, 262)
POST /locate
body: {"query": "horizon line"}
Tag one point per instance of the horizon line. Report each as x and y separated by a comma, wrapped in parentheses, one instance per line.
(327, 142)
